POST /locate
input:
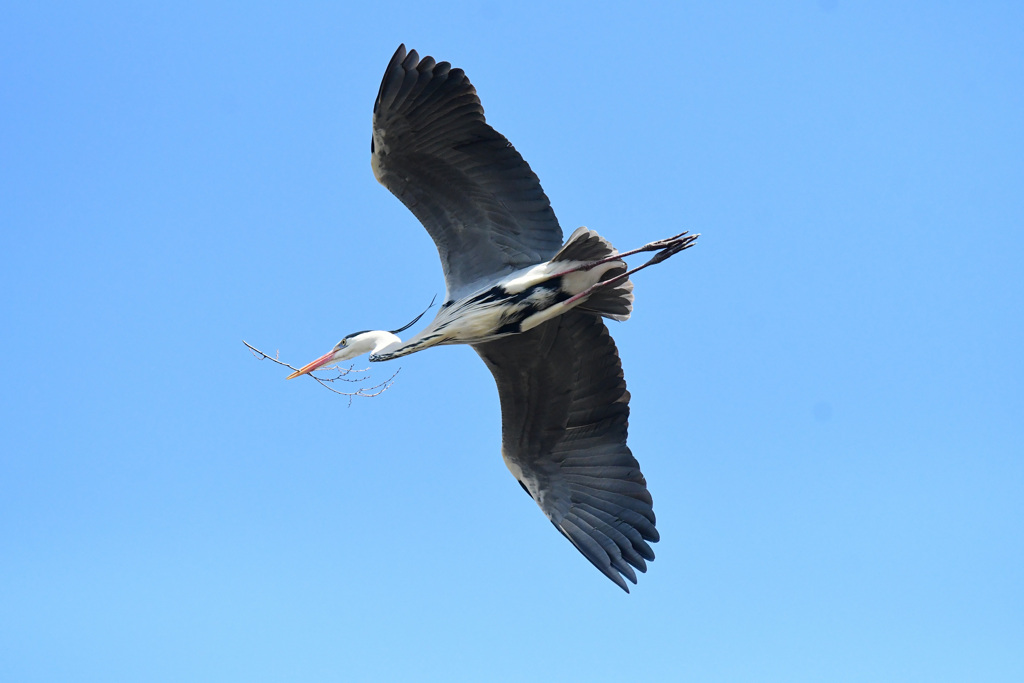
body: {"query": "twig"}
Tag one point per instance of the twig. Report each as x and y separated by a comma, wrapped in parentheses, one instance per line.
(365, 392)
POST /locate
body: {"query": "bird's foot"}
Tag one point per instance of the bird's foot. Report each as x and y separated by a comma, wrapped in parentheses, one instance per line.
(666, 247)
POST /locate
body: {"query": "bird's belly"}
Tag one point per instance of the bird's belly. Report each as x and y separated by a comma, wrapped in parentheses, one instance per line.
(494, 314)
(517, 304)
(570, 276)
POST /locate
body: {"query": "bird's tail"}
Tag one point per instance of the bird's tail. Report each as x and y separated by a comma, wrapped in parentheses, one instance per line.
(613, 301)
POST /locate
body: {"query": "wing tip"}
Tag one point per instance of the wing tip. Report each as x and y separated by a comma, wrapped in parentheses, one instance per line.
(616, 568)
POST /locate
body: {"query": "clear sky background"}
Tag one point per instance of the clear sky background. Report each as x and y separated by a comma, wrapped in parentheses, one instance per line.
(827, 390)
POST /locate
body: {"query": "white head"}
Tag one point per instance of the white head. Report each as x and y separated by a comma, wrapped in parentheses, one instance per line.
(356, 344)
(352, 346)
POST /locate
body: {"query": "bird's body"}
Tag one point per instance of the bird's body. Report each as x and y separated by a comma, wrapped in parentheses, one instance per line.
(530, 306)
(530, 296)
(515, 304)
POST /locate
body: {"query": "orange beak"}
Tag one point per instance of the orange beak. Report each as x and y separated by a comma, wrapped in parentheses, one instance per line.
(310, 367)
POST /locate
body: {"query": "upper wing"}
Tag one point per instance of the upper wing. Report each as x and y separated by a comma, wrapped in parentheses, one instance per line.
(564, 411)
(473, 192)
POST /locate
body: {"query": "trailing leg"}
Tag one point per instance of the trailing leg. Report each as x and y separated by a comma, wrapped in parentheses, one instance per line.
(666, 249)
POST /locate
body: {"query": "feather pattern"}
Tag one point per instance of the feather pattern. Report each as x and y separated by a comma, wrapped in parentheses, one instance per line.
(471, 189)
(564, 417)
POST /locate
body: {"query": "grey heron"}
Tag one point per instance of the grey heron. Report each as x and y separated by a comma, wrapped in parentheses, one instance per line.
(530, 306)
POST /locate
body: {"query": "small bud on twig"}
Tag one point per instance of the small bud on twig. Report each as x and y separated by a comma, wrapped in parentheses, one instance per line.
(365, 392)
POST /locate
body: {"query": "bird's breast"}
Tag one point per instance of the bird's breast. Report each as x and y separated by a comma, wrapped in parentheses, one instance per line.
(515, 304)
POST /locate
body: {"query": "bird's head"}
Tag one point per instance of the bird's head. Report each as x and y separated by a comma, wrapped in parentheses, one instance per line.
(356, 344)
(351, 346)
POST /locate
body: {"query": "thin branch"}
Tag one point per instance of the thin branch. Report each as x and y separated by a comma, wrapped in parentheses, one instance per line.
(365, 392)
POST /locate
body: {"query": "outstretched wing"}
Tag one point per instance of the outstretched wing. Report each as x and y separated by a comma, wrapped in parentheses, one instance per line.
(476, 196)
(564, 413)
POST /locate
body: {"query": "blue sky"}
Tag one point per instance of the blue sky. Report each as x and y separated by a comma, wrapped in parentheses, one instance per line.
(826, 391)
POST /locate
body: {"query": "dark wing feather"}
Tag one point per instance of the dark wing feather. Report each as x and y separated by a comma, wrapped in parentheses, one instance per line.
(479, 200)
(564, 414)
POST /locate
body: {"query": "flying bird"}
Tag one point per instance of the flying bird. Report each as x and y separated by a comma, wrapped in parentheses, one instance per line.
(530, 306)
